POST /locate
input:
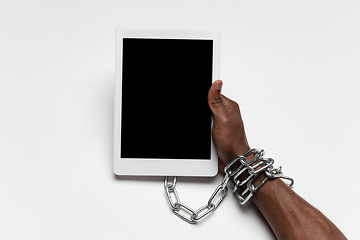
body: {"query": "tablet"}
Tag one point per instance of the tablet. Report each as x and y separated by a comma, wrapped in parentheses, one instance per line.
(162, 121)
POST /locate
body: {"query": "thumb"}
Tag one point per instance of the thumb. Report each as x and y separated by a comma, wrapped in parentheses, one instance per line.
(215, 99)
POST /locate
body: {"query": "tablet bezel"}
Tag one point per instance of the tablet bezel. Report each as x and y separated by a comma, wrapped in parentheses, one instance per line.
(161, 167)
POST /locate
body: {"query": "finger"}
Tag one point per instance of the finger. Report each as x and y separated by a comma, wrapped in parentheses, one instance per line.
(215, 99)
(231, 106)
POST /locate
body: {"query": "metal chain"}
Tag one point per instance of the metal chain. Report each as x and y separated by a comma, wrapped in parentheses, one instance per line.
(253, 168)
(190, 215)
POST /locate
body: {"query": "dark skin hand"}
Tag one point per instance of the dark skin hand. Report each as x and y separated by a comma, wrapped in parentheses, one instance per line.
(228, 130)
(289, 216)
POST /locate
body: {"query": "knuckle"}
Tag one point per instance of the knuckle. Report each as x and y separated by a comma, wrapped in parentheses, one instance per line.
(216, 100)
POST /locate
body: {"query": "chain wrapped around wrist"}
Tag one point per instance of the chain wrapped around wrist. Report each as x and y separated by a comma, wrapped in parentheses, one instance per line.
(244, 188)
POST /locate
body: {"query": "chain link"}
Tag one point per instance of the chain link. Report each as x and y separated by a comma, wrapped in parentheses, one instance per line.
(252, 168)
(185, 212)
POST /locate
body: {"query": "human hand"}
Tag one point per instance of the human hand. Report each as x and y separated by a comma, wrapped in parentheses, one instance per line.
(230, 141)
(228, 129)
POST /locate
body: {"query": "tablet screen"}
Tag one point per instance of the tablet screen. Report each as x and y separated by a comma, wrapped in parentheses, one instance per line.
(164, 109)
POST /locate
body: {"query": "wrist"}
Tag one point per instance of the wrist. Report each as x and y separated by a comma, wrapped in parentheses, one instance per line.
(242, 151)
(252, 173)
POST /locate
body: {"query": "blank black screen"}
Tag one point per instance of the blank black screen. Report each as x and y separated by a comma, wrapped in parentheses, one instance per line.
(164, 111)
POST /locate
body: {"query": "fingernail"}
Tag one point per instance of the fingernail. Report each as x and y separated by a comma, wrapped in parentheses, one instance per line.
(218, 86)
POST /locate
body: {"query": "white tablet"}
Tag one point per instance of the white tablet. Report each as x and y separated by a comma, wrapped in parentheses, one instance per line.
(162, 123)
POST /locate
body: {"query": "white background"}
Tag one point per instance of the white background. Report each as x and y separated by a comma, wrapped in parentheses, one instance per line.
(293, 66)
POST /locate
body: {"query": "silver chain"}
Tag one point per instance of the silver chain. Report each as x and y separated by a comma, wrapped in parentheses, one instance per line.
(191, 215)
(253, 168)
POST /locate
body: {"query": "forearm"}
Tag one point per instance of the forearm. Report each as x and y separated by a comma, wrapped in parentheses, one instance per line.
(291, 217)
